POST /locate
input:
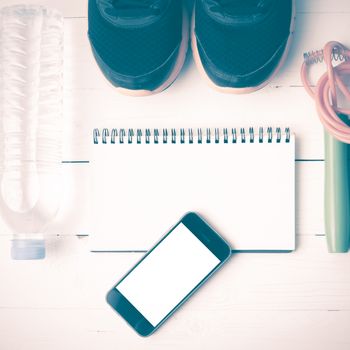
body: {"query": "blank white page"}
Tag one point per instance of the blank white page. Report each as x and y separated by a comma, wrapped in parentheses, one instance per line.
(246, 191)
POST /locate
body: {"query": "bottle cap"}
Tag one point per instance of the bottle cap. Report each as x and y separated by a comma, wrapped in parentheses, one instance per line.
(28, 249)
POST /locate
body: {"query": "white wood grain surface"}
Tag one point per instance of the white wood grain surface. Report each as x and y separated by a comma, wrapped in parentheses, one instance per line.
(299, 300)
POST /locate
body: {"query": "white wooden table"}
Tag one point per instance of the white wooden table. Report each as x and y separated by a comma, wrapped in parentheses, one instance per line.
(299, 300)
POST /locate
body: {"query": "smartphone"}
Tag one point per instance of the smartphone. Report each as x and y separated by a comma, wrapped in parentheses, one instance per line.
(169, 274)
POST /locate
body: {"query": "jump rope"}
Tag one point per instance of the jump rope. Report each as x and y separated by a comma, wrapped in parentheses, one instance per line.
(325, 93)
(336, 123)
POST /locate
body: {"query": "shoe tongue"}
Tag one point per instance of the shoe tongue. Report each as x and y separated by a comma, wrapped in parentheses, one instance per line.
(138, 10)
(240, 8)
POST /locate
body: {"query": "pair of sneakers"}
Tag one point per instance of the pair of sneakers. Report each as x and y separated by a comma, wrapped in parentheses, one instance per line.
(237, 45)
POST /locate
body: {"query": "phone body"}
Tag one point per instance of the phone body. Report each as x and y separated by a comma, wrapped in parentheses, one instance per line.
(169, 274)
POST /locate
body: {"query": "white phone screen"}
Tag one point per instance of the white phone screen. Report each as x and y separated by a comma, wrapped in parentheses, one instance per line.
(168, 274)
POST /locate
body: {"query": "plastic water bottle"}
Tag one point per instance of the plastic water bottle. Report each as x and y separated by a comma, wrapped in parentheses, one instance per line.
(31, 66)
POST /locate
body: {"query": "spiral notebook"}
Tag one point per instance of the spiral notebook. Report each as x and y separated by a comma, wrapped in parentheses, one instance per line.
(242, 181)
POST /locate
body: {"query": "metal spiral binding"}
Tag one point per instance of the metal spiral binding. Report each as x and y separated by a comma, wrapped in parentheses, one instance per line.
(317, 56)
(191, 136)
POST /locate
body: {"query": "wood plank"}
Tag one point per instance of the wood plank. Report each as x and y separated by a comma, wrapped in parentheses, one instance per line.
(323, 6)
(225, 330)
(309, 198)
(270, 107)
(71, 277)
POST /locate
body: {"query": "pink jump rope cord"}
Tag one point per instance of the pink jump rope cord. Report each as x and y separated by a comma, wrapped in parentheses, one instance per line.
(325, 93)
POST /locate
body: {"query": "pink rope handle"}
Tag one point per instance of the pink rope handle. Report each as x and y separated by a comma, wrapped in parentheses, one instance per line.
(325, 93)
